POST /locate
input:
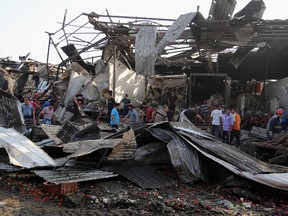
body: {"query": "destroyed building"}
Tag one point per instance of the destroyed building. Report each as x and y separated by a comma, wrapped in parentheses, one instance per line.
(235, 57)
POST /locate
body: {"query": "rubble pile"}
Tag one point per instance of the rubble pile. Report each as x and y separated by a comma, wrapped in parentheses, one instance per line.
(156, 158)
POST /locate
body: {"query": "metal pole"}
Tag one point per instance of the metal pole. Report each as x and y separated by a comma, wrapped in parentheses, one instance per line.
(114, 70)
(47, 61)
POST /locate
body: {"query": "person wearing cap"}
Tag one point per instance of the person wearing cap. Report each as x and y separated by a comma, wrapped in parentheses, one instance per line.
(132, 114)
(114, 116)
(274, 124)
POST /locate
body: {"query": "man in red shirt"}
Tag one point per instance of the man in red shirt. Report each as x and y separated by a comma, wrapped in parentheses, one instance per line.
(148, 113)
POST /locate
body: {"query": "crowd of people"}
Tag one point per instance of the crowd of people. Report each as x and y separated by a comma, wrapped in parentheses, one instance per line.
(37, 111)
(223, 123)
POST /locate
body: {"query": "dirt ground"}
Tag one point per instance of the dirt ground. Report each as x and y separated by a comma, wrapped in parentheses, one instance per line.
(24, 195)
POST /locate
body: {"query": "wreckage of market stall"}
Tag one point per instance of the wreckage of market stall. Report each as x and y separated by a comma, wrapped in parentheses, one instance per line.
(198, 58)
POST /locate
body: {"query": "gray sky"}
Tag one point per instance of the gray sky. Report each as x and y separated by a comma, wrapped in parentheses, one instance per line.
(24, 22)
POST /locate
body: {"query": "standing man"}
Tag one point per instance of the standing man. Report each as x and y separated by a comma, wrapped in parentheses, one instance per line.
(47, 114)
(28, 111)
(115, 117)
(147, 114)
(132, 114)
(236, 127)
(227, 124)
(205, 111)
(215, 121)
(125, 102)
(160, 114)
(111, 103)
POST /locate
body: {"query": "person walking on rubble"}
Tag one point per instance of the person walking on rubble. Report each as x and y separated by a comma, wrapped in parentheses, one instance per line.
(215, 121)
(132, 115)
(274, 124)
(125, 102)
(227, 124)
(236, 127)
(110, 103)
(115, 117)
(147, 114)
(205, 111)
(160, 114)
(28, 111)
(47, 114)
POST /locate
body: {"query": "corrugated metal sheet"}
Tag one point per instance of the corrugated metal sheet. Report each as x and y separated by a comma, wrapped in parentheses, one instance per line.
(9, 168)
(142, 175)
(228, 157)
(185, 161)
(66, 134)
(22, 151)
(90, 145)
(219, 10)
(175, 31)
(236, 157)
(72, 130)
(126, 149)
(76, 81)
(52, 131)
(62, 115)
(144, 50)
(70, 175)
(277, 180)
(10, 112)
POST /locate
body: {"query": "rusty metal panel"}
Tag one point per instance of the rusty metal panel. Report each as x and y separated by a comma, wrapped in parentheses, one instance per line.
(10, 112)
(142, 175)
(70, 175)
(175, 31)
(144, 50)
(22, 151)
(126, 149)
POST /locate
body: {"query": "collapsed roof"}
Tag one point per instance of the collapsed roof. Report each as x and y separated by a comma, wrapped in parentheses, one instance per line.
(244, 45)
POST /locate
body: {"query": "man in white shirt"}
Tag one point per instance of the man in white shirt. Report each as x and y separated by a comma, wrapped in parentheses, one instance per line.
(215, 121)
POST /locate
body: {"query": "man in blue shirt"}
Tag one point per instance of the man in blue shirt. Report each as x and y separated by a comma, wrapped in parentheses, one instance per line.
(28, 111)
(132, 114)
(114, 117)
(227, 124)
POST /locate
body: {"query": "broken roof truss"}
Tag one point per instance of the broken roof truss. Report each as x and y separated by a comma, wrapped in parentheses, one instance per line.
(143, 42)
